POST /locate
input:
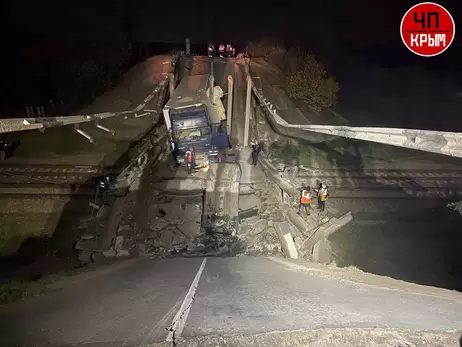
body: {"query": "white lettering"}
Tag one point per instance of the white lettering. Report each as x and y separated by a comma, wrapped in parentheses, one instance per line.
(440, 40)
(430, 40)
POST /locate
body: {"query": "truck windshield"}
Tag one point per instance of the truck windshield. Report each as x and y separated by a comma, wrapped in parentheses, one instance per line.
(196, 134)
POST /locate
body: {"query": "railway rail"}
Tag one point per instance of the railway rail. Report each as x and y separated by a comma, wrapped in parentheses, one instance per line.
(355, 172)
(78, 180)
(51, 174)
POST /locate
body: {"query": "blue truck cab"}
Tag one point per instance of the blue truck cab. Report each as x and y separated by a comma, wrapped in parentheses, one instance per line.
(193, 122)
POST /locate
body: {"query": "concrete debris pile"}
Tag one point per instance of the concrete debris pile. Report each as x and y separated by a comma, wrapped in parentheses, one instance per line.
(219, 239)
(258, 237)
(174, 229)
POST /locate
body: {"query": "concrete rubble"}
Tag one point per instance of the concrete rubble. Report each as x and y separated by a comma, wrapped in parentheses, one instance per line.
(269, 226)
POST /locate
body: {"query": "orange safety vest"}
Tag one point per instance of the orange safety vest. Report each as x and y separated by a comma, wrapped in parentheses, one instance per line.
(188, 156)
(323, 193)
(306, 197)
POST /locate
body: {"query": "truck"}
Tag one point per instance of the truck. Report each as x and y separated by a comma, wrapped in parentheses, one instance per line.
(195, 118)
(194, 123)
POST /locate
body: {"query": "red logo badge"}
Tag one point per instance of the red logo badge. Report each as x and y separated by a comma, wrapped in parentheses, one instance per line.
(427, 29)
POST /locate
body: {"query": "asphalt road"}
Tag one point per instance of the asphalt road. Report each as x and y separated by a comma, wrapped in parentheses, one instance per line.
(134, 303)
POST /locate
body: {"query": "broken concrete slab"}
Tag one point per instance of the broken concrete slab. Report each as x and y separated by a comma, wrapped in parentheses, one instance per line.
(190, 229)
(286, 240)
(322, 252)
(118, 243)
(248, 213)
(123, 253)
(247, 202)
(324, 231)
(259, 226)
(110, 253)
(303, 226)
(181, 185)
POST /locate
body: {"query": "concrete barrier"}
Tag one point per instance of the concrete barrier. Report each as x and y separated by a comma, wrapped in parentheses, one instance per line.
(286, 240)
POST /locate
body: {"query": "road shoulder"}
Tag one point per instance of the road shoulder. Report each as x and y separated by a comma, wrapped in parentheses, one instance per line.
(330, 337)
(354, 275)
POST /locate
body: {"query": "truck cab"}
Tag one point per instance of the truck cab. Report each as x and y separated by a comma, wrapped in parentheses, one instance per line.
(194, 123)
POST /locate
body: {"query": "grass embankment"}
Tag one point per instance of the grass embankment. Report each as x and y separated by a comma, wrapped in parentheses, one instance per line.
(64, 146)
(15, 228)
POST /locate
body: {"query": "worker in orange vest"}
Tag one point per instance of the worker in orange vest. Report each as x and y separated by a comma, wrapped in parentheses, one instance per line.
(323, 196)
(189, 158)
(305, 200)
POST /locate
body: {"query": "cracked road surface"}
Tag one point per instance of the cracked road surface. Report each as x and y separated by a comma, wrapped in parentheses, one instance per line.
(134, 302)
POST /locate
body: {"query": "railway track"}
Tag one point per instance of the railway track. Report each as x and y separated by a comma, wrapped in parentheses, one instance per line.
(46, 168)
(70, 180)
(52, 174)
(390, 173)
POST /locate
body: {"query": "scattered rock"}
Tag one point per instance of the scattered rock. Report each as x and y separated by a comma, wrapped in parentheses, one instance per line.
(124, 228)
(123, 253)
(259, 227)
(141, 247)
(118, 243)
(109, 253)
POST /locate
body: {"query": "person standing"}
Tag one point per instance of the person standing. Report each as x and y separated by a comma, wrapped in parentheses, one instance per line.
(305, 200)
(103, 187)
(190, 160)
(323, 196)
(255, 151)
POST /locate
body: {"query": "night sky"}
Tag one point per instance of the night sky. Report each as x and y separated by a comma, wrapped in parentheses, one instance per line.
(332, 21)
(328, 25)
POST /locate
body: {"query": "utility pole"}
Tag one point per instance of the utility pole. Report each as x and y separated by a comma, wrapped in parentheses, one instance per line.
(188, 46)
(211, 82)
(247, 111)
(229, 114)
(171, 83)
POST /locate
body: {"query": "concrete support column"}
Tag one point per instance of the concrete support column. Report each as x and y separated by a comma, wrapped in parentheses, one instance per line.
(229, 114)
(188, 46)
(247, 111)
(211, 82)
(171, 83)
